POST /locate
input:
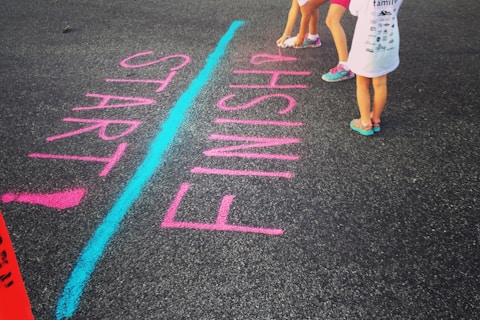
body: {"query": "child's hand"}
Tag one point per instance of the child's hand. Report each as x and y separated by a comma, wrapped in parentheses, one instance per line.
(298, 42)
(281, 41)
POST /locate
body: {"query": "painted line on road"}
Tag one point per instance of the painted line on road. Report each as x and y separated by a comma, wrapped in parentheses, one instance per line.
(93, 251)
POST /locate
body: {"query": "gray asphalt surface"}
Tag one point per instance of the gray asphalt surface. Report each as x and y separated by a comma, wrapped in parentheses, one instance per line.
(382, 227)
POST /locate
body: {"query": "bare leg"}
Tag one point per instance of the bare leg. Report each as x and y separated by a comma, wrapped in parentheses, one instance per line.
(335, 14)
(315, 16)
(313, 24)
(379, 97)
(363, 98)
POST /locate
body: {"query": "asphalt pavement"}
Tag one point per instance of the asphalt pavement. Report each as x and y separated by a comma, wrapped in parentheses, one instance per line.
(165, 160)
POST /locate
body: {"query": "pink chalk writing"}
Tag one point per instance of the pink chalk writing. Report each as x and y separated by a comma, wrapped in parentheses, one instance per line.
(108, 101)
(163, 83)
(269, 58)
(242, 143)
(121, 127)
(239, 146)
(220, 224)
(59, 200)
(133, 102)
(290, 99)
(273, 81)
(109, 161)
(258, 142)
(126, 62)
(99, 124)
(250, 173)
(259, 122)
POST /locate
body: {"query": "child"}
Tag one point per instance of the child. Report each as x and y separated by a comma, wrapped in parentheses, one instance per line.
(373, 55)
(336, 11)
(309, 10)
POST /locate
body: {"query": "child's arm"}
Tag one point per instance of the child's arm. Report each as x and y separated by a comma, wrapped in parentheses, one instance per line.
(292, 18)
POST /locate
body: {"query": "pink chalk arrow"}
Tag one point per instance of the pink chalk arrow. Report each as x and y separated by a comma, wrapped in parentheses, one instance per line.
(59, 200)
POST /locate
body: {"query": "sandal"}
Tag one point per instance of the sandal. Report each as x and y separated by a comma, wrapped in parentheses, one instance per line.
(360, 127)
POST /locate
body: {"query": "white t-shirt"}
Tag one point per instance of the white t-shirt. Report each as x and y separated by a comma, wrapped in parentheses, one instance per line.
(376, 40)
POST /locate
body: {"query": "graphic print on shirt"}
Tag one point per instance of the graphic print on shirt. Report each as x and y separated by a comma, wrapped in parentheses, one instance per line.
(382, 26)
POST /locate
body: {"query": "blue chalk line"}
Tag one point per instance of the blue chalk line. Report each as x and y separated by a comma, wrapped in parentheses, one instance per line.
(93, 251)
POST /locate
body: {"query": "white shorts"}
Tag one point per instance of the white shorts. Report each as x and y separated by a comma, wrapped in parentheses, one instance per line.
(302, 2)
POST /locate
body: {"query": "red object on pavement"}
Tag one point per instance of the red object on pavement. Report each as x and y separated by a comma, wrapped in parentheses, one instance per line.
(14, 302)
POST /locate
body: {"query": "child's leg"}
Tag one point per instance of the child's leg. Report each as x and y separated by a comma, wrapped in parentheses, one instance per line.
(379, 96)
(363, 98)
(307, 12)
(335, 14)
(341, 72)
(364, 124)
(313, 24)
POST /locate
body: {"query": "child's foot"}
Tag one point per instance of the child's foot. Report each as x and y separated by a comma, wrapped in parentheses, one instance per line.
(311, 43)
(307, 42)
(375, 124)
(360, 127)
(339, 73)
